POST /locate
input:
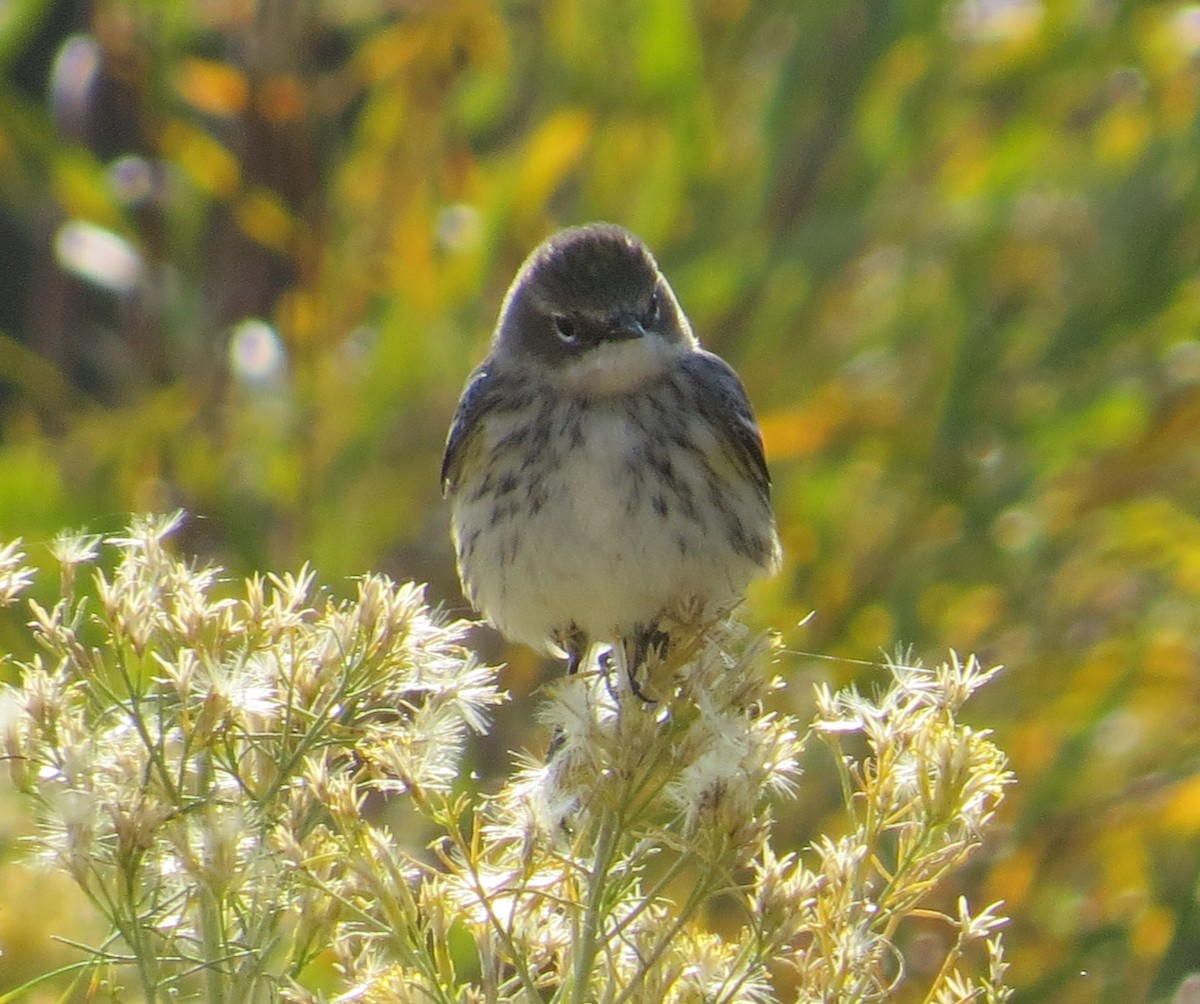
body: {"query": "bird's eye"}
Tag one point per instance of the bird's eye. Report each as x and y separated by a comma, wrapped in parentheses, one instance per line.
(565, 327)
(654, 310)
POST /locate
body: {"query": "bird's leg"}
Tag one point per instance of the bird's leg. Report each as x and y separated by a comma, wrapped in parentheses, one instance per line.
(575, 644)
(644, 639)
(606, 668)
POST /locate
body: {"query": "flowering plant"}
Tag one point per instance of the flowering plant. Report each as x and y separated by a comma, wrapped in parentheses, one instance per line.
(204, 766)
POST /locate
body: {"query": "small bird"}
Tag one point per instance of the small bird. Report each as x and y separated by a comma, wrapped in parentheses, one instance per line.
(603, 470)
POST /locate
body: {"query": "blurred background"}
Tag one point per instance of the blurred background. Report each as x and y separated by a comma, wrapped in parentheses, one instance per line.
(249, 251)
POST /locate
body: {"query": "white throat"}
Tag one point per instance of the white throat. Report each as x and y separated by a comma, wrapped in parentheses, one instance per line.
(618, 367)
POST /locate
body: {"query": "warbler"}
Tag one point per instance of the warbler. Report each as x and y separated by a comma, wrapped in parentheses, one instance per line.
(602, 469)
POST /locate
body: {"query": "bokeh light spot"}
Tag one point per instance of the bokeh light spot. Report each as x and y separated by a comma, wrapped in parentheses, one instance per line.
(256, 354)
(98, 256)
(72, 79)
(132, 178)
(1186, 28)
(459, 228)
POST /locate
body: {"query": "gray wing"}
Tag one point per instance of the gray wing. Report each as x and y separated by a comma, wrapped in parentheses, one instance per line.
(723, 402)
(477, 399)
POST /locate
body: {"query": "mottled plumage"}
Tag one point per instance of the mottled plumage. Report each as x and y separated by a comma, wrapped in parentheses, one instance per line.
(602, 469)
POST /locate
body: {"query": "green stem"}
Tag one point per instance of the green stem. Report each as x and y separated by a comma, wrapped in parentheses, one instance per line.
(585, 953)
(80, 967)
(212, 944)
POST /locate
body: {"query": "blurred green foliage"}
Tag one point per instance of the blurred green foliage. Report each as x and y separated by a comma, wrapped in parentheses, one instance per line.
(251, 250)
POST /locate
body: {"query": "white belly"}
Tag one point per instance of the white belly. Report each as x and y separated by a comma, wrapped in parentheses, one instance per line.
(593, 538)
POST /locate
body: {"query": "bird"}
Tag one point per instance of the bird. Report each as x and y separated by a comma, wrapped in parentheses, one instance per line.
(602, 469)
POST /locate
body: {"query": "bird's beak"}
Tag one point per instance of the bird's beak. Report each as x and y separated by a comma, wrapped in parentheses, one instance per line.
(625, 329)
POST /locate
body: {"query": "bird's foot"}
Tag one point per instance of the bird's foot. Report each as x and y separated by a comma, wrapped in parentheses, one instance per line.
(646, 640)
